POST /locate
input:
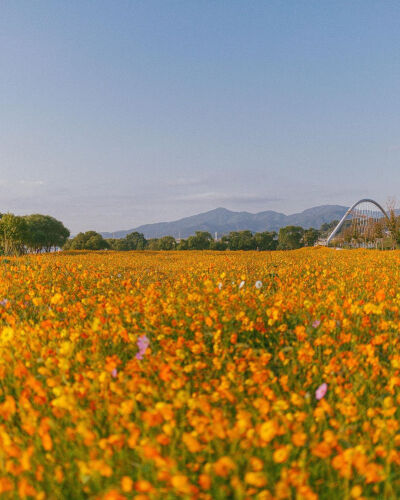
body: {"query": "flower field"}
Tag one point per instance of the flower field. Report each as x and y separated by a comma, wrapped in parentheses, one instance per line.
(204, 375)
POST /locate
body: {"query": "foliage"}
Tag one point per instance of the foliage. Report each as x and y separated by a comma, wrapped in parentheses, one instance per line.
(13, 234)
(132, 241)
(31, 233)
(310, 236)
(240, 240)
(200, 375)
(153, 244)
(219, 245)
(136, 241)
(266, 240)
(167, 243)
(200, 241)
(182, 245)
(91, 240)
(290, 237)
(328, 227)
(44, 233)
(393, 225)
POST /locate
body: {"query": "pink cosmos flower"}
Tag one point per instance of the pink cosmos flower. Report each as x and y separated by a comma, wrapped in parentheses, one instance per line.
(321, 391)
(143, 343)
(316, 323)
(114, 373)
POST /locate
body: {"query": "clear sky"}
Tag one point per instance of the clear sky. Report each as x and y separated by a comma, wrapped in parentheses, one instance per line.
(119, 113)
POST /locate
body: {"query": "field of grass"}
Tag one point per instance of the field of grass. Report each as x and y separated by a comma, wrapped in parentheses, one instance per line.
(200, 375)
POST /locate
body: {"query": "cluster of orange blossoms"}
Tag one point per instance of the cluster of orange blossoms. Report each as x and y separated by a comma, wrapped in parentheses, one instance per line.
(200, 375)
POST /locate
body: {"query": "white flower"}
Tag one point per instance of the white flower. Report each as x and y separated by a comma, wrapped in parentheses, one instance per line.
(242, 283)
(220, 285)
(258, 284)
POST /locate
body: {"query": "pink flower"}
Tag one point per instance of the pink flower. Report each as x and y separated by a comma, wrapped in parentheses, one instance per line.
(316, 323)
(114, 373)
(143, 343)
(321, 391)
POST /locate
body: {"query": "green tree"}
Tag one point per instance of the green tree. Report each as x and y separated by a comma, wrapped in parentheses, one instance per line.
(290, 237)
(96, 242)
(200, 241)
(167, 243)
(13, 234)
(393, 224)
(45, 232)
(153, 244)
(219, 245)
(115, 243)
(91, 240)
(326, 228)
(310, 236)
(240, 240)
(182, 245)
(135, 241)
(266, 240)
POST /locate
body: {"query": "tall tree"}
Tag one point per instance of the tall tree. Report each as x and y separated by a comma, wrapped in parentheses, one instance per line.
(182, 245)
(310, 236)
(167, 243)
(241, 240)
(290, 237)
(91, 240)
(13, 234)
(393, 223)
(267, 240)
(136, 241)
(200, 241)
(45, 232)
(153, 244)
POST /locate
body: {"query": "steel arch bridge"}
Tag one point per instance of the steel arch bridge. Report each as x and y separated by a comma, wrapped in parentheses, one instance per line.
(362, 216)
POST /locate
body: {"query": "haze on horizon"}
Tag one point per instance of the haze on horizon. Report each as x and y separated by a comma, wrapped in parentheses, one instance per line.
(115, 115)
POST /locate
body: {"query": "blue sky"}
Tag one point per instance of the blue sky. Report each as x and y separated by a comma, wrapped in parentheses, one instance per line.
(114, 114)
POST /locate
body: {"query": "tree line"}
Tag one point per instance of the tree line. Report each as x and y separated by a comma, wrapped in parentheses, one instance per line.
(38, 233)
(34, 233)
(288, 238)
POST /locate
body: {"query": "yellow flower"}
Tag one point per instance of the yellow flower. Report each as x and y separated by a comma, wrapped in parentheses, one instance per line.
(57, 299)
(356, 491)
(7, 334)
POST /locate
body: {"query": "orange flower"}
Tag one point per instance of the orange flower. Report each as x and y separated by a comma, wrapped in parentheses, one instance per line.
(224, 466)
(299, 438)
(322, 450)
(257, 479)
(143, 486)
(268, 430)
(181, 484)
(126, 484)
(204, 481)
(47, 442)
(281, 454)
(191, 443)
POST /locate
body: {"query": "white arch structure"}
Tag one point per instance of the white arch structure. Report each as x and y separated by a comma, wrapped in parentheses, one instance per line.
(364, 200)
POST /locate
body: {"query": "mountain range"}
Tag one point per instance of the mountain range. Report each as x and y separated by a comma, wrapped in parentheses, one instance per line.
(222, 221)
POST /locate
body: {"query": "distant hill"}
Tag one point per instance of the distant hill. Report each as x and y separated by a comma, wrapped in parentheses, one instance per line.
(223, 221)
